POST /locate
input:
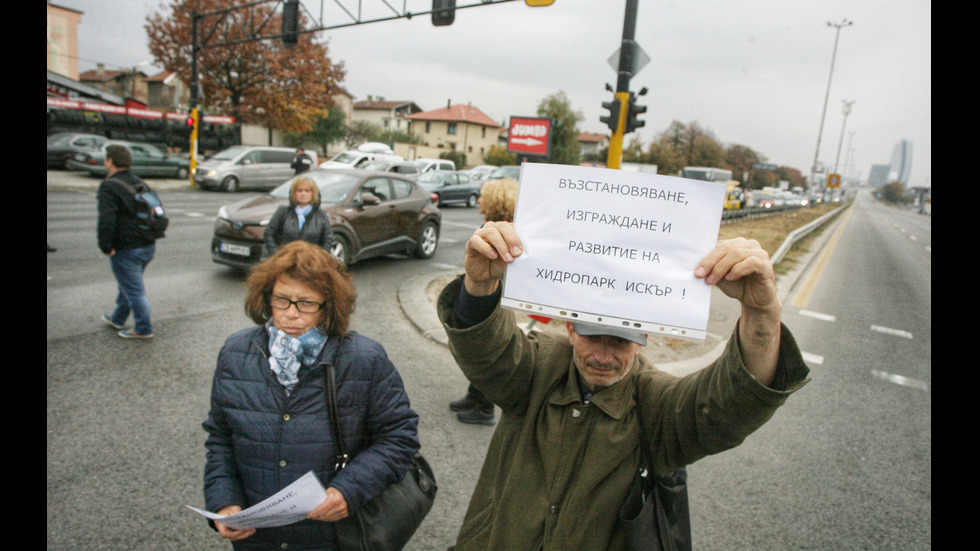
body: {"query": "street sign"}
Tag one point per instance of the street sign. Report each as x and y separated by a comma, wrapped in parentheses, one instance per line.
(833, 180)
(529, 136)
(640, 59)
(764, 166)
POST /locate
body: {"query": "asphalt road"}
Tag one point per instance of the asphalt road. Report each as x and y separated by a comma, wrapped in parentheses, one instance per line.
(846, 464)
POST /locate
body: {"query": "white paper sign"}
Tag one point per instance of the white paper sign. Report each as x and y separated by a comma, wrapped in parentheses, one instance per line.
(614, 247)
(289, 505)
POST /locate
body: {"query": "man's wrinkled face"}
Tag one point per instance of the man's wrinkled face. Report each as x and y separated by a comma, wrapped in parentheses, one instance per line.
(602, 361)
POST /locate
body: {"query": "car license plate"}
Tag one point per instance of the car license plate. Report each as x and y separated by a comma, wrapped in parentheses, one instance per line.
(240, 250)
(79, 156)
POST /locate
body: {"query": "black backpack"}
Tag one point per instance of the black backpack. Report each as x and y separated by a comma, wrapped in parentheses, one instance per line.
(151, 218)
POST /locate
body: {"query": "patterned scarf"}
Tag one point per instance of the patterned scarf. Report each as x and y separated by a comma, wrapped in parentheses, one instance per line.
(287, 354)
(301, 213)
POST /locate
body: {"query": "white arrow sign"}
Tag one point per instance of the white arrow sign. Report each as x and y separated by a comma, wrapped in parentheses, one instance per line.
(526, 141)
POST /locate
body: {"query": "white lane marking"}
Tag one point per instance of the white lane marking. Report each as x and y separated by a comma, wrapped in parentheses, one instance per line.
(890, 331)
(900, 380)
(818, 315)
(459, 224)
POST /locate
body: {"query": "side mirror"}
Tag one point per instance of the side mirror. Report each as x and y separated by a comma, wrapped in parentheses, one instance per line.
(368, 198)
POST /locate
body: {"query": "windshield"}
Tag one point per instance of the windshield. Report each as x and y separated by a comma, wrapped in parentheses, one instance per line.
(375, 165)
(230, 153)
(334, 186)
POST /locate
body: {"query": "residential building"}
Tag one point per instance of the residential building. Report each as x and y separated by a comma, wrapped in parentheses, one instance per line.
(458, 127)
(130, 83)
(592, 144)
(386, 114)
(62, 38)
(166, 92)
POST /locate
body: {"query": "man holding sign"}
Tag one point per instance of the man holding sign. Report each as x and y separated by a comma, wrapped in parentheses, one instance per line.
(564, 455)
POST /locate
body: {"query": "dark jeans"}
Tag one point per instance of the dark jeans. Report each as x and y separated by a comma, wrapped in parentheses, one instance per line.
(128, 266)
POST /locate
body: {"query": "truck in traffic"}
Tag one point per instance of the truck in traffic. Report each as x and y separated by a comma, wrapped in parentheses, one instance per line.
(733, 193)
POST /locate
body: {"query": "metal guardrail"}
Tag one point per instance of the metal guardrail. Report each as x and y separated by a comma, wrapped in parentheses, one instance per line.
(803, 231)
(755, 212)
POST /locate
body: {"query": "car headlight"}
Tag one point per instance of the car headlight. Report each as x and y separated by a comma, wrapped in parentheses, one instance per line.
(223, 213)
(211, 173)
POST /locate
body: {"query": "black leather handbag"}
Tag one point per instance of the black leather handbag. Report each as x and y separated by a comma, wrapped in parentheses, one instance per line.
(387, 522)
(656, 516)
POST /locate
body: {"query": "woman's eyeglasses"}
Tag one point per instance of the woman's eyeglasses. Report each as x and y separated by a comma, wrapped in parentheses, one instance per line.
(303, 306)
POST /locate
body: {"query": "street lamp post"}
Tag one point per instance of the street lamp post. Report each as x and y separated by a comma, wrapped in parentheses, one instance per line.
(823, 116)
(847, 111)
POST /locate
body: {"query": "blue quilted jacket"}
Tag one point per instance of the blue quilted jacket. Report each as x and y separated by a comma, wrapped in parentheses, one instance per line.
(260, 440)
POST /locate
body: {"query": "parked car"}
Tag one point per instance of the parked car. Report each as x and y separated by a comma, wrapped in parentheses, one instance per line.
(148, 161)
(451, 187)
(245, 167)
(404, 168)
(480, 172)
(64, 145)
(366, 152)
(428, 165)
(505, 171)
(372, 214)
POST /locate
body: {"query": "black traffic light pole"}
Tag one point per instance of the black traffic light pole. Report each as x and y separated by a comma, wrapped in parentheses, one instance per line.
(622, 118)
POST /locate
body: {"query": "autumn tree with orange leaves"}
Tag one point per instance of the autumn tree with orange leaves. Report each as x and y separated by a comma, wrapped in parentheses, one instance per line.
(258, 81)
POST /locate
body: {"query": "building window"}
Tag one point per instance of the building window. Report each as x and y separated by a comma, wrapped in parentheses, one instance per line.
(452, 129)
(428, 126)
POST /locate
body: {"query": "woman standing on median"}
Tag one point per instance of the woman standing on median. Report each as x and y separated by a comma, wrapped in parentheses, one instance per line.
(268, 424)
(300, 219)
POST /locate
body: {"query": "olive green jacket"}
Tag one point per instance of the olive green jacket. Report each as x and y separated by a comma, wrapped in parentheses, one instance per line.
(557, 470)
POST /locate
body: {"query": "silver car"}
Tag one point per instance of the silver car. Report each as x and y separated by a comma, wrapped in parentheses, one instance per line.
(245, 167)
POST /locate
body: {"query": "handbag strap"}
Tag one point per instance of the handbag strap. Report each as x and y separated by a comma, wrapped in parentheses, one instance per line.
(330, 389)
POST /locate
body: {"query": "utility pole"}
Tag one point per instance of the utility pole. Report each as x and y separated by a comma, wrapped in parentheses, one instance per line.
(847, 111)
(823, 116)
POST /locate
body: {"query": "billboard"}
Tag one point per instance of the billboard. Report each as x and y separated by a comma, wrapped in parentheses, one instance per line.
(529, 136)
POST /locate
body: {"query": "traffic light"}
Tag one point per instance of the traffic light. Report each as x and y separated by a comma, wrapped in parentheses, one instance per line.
(290, 22)
(443, 12)
(539, 2)
(612, 119)
(631, 121)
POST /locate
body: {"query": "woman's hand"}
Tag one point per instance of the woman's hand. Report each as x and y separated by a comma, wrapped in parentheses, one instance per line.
(331, 509)
(230, 533)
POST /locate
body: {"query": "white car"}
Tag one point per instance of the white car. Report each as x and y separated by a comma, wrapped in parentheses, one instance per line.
(370, 151)
(428, 165)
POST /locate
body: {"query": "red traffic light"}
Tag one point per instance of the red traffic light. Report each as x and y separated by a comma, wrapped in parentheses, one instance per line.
(190, 122)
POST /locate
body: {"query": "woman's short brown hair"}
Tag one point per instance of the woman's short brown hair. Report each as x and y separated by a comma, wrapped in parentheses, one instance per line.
(499, 199)
(315, 201)
(313, 266)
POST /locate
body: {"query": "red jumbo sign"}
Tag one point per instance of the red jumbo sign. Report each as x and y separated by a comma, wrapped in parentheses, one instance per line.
(529, 136)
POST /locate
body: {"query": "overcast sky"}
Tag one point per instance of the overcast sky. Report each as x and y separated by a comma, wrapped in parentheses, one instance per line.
(753, 72)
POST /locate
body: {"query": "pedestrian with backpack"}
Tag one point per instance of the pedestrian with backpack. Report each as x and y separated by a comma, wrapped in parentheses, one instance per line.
(126, 238)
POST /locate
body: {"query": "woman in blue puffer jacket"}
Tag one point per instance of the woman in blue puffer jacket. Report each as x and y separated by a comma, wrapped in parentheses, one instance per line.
(268, 424)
